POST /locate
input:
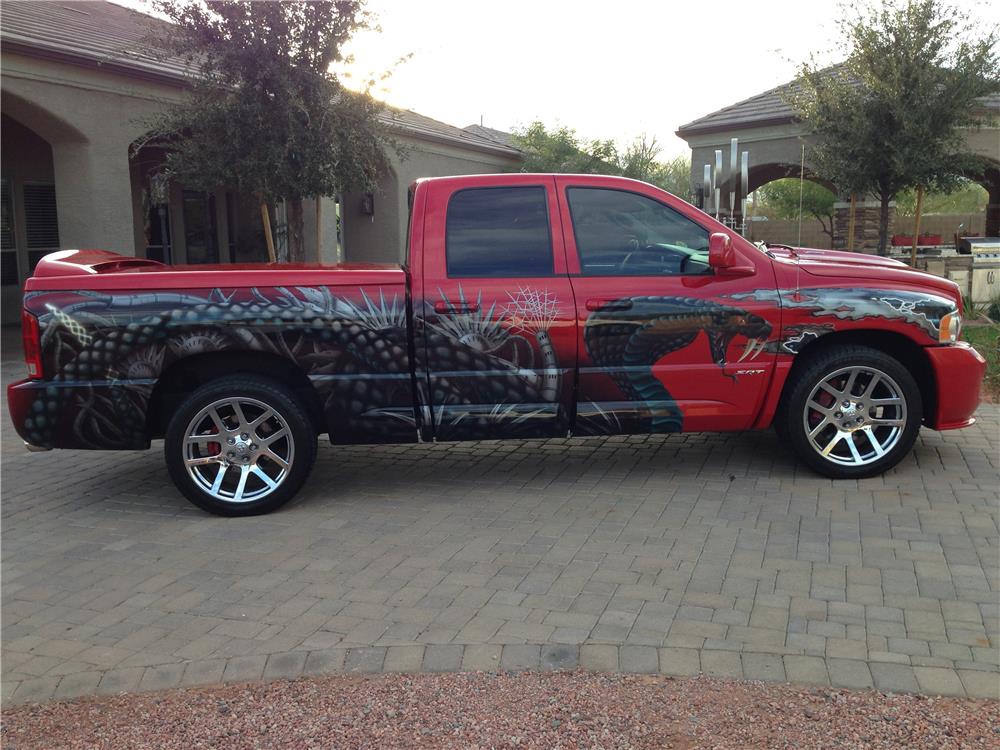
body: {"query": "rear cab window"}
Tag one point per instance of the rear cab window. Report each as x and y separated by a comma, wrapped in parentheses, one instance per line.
(500, 232)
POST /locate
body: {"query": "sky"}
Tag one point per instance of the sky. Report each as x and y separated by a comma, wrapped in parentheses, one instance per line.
(614, 69)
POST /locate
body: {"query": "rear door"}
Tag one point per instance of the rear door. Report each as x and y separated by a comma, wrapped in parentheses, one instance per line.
(665, 343)
(494, 316)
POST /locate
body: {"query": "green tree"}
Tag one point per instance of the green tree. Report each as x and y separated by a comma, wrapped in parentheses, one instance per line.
(888, 118)
(675, 177)
(266, 115)
(563, 150)
(966, 198)
(781, 198)
(641, 161)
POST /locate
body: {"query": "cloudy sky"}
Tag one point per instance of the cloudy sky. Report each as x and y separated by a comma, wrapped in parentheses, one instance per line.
(611, 69)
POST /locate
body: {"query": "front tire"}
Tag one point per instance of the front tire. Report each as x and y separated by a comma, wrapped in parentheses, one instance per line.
(851, 412)
(240, 446)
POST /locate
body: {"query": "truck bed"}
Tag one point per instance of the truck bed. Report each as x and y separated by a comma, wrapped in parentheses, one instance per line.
(105, 270)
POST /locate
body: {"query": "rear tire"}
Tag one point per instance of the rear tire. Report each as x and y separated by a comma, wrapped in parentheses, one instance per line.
(851, 412)
(240, 446)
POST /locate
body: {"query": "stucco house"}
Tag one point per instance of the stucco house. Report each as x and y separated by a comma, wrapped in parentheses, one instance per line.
(768, 129)
(78, 86)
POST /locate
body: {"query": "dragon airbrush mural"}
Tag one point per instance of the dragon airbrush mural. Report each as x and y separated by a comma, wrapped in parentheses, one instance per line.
(628, 336)
(492, 370)
(104, 353)
(489, 365)
(921, 310)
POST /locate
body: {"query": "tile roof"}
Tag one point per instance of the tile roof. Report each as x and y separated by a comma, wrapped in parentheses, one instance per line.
(98, 32)
(769, 108)
(500, 136)
(117, 38)
(416, 124)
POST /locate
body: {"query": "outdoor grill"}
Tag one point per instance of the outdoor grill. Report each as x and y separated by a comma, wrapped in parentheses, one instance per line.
(985, 252)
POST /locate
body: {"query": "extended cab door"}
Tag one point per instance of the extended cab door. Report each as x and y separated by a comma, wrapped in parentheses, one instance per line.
(666, 343)
(494, 315)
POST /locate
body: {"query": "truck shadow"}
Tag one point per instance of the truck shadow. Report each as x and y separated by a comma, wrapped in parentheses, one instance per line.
(455, 473)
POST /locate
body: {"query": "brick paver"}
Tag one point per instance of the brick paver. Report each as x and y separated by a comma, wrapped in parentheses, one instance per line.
(678, 554)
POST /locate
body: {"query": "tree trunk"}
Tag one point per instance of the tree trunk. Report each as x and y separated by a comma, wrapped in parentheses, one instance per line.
(296, 230)
(916, 226)
(883, 224)
(850, 223)
(265, 217)
(827, 227)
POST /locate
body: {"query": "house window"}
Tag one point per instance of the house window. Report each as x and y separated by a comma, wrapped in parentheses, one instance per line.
(41, 222)
(8, 250)
(159, 233)
(200, 234)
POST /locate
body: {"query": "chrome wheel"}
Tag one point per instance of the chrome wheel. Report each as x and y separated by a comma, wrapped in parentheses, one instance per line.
(855, 416)
(238, 450)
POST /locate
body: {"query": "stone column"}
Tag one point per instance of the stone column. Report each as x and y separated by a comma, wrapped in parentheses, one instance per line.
(866, 218)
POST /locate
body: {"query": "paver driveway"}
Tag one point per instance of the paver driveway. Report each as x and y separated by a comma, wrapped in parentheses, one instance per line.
(676, 554)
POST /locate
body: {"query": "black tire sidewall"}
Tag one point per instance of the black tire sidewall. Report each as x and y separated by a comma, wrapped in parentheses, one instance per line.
(789, 423)
(277, 398)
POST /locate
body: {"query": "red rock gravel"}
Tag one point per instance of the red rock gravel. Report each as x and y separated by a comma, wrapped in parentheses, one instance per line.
(476, 710)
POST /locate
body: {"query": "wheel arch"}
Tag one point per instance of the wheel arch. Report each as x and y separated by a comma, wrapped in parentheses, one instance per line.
(183, 376)
(897, 345)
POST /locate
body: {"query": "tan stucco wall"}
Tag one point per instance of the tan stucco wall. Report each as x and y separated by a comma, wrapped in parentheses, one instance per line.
(776, 145)
(90, 117)
(384, 239)
(985, 141)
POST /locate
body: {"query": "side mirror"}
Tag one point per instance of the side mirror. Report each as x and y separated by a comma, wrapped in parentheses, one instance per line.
(720, 251)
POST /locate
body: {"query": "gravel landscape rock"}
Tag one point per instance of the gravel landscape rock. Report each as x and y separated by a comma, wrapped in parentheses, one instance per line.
(504, 710)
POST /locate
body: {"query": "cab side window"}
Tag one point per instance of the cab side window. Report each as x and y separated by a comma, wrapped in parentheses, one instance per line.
(620, 233)
(498, 233)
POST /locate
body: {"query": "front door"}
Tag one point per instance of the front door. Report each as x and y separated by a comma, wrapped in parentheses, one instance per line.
(665, 344)
(495, 318)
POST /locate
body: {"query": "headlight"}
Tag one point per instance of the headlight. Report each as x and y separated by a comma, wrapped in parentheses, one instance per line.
(951, 327)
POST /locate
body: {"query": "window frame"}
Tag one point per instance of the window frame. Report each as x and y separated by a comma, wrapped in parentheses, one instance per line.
(13, 251)
(32, 254)
(576, 245)
(548, 233)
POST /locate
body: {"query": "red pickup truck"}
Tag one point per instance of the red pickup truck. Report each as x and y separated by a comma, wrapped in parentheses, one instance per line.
(530, 306)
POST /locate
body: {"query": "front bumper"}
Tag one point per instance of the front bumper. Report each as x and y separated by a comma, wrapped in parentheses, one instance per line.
(958, 375)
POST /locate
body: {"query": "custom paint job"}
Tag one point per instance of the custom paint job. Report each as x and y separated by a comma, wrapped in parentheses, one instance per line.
(491, 370)
(626, 337)
(923, 311)
(400, 354)
(103, 354)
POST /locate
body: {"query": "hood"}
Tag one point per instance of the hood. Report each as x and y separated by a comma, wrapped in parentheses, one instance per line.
(871, 268)
(838, 257)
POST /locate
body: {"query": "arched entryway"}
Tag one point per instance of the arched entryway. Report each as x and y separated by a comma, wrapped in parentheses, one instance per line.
(30, 214)
(989, 178)
(773, 205)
